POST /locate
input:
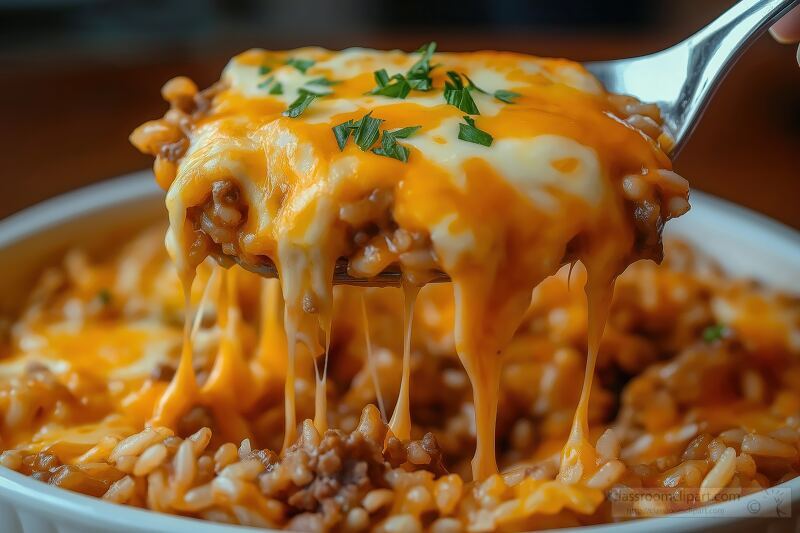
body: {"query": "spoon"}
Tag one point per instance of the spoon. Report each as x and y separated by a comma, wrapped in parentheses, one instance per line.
(680, 80)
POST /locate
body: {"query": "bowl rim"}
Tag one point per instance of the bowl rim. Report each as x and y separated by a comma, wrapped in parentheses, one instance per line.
(32, 495)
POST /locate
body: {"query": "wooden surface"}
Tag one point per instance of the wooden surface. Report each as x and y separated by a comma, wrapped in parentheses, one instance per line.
(65, 124)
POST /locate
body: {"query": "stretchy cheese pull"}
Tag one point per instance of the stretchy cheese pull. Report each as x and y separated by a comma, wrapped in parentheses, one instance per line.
(182, 392)
(578, 455)
(400, 424)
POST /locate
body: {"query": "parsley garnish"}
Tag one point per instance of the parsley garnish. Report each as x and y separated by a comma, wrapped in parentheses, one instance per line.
(714, 333)
(365, 133)
(381, 77)
(342, 133)
(305, 95)
(403, 133)
(417, 78)
(389, 146)
(501, 94)
(456, 94)
(395, 87)
(300, 64)
(364, 130)
(470, 133)
(419, 75)
(323, 81)
(104, 295)
(302, 102)
(506, 96)
(277, 87)
(264, 84)
(264, 69)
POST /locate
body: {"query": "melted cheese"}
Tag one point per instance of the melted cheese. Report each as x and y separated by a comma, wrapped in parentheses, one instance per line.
(500, 218)
(400, 424)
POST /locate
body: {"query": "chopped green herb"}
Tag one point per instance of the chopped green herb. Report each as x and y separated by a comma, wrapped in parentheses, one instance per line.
(264, 84)
(389, 146)
(366, 132)
(381, 77)
(300, 64)
(455, 79)
(501, 94)
(417, 78)
(470, 133)
(714, 333)
(419, 75)
(264, 69)
(456, 94)
(471, 84)
(342, 133)
(395, 87)
(506, 96)
(104, 296)
(403, 133)
(323, 81)
(277, 87)
(300, 104)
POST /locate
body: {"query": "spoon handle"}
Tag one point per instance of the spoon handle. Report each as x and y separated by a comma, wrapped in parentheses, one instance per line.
(711, 52)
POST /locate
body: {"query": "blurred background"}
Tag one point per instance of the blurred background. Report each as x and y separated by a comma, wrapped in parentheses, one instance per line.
(76, 76)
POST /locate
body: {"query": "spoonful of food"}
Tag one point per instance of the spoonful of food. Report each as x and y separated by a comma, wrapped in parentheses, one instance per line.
(680, 80)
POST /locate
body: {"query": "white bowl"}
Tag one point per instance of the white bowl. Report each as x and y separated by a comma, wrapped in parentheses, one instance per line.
(747, 244)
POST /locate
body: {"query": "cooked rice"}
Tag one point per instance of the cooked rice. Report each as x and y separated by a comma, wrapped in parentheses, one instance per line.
(678, 402)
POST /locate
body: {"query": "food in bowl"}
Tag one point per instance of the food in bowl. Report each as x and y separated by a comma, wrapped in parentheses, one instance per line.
(125, 383)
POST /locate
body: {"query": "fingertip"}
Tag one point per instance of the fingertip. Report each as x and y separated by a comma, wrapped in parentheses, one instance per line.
(787, 29)
(778, 36)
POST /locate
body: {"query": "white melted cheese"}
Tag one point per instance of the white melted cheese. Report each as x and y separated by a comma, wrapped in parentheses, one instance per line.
(525, 163)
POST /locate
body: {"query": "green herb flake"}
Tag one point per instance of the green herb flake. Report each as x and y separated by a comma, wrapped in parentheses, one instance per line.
(404, 133)
(263, 70)
(264, 84)
(391, 148)
(323, 81)
(470, 133)
(300, 104)
(366, 132)
(501, 94)
(714, 333)
(300, 64)
(456, 94)
(395, 87)
(342, 133)
(471, 85)
(104, 296)
(277, 88)
(506, 96)
(419, 75)
(417, 78)
(381, 77)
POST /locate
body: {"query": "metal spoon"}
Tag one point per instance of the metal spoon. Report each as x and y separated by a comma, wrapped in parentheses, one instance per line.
(391, 277)
(680, 79)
